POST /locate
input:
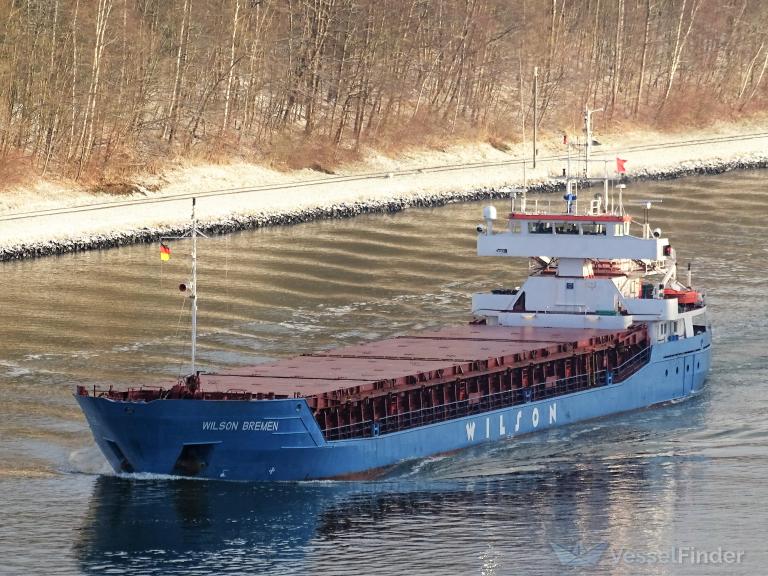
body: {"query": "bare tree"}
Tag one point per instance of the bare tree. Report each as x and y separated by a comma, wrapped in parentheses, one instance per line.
(680, 41)
(82, 90)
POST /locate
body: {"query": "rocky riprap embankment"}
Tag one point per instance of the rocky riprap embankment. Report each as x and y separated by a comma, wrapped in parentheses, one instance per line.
(342, 210)
(711, 168)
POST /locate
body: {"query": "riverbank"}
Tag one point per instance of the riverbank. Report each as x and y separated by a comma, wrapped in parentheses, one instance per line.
(48, 218)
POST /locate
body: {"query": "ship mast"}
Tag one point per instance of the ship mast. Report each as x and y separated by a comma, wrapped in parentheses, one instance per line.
(193, 287)
(190, 288)
(588, 132)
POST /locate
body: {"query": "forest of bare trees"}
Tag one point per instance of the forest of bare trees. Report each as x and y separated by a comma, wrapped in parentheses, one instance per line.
(95, 87)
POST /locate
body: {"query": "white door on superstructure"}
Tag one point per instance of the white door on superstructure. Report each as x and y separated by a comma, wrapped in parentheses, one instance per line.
(688, 378)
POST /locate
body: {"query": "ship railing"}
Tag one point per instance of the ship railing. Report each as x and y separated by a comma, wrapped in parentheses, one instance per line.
(490, 402)
(632, 365)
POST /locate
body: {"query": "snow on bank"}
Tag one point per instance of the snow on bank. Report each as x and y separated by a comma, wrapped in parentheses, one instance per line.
(65, 220)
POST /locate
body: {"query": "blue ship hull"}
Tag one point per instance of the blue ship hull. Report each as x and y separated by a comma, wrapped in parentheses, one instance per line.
(269, 440)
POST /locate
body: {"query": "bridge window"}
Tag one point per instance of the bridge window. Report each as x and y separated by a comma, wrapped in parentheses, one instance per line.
(567, 228)
(594, 229)
(540, 227)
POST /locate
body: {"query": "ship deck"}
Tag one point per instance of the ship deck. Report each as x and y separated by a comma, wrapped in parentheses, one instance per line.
(427, 356)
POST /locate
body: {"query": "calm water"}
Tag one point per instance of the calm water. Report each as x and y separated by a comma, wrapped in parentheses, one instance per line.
(686, 475)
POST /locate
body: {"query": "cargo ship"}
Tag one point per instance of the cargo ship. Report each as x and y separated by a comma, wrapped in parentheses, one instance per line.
(602, 325)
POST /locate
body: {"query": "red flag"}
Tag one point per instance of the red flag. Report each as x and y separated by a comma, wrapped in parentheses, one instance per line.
(565, 138)
(620, 165)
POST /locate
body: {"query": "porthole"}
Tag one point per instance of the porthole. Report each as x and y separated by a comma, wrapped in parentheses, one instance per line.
(698, 365)
(688, 368)
(677, 370)
(666, 372)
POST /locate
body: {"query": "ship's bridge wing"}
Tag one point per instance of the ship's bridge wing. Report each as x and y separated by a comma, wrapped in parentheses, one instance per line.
(601, 236)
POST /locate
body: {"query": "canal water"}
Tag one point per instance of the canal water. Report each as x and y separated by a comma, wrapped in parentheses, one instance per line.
(673, 490)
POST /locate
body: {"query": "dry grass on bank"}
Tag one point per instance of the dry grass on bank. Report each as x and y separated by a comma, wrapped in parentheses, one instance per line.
(149, 166)
(16, 171)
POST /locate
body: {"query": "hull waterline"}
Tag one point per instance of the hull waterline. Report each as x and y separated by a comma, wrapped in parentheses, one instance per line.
(270, 440)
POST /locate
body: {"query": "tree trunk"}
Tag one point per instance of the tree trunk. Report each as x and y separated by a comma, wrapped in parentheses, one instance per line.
(679, 46)
(85, 142)
(231, 67)
(616, 77)
(643, 58)
(173, 107)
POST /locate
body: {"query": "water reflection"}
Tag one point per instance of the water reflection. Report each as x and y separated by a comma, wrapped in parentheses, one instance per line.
(491, 521)
(689, 474)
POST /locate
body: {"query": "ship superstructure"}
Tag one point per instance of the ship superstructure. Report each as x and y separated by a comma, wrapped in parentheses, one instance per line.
(602, 325)
(593, 272)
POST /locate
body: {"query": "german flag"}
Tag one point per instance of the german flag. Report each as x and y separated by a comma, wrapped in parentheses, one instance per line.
(165, 252)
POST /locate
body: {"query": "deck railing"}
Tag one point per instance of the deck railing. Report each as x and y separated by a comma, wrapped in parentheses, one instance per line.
(482, 404)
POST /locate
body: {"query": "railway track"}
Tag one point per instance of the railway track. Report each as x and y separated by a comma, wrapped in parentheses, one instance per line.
(330, 180)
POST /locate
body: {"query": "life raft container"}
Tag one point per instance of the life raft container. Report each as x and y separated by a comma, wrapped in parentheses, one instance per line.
(683, 296)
